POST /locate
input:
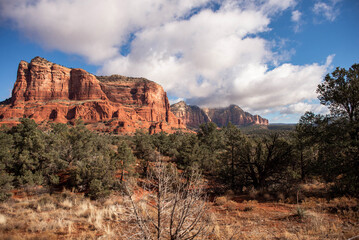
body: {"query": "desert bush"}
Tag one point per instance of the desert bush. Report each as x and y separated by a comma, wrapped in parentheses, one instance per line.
(249, 205)
(97, 190)
(247, 208)
(300, 212)
(231, 205)
(220, 201)
(5, 185)
(175, 208)
(345, 206)
(6, 178)
(93, 166)
(66, 204)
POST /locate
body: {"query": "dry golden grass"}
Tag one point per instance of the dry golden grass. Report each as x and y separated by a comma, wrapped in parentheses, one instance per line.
(72, 216)
(65, 216)
(220, 201)
(311, 218)
(2, 220)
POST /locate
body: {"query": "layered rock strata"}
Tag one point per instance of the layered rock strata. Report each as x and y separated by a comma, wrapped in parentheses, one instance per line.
(45, 91)
(193, 116)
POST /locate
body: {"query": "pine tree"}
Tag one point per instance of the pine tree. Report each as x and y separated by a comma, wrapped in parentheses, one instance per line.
(125, 160)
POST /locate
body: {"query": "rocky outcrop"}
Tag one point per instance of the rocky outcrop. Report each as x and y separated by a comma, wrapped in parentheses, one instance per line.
(41, 80)
(235, 115)
(191, 116)
(194, 116)
(45, 91)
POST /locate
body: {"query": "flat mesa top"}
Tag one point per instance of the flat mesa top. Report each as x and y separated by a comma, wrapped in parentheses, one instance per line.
(120, 78)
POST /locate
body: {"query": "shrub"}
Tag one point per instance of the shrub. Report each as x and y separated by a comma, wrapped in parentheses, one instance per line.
(97, 190)
(5, 185)
(220, 200)
(300, 212)
(93, 166)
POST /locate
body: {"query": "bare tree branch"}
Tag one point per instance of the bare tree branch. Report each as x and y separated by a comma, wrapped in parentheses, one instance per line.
(177, 202)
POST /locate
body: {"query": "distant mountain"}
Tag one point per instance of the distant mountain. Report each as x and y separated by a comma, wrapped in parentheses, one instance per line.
(193, 116)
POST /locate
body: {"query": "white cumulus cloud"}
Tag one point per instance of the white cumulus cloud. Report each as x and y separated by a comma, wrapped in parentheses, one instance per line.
(297, 20)
(327, 9)
(91, 28)
(302, 107)
(296, 16)
(210, 53)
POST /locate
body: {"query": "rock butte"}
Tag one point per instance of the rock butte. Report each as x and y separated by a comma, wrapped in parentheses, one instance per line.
(194, 116)
(45, 91)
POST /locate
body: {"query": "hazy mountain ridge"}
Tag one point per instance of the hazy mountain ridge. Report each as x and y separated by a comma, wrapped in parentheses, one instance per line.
(193, 116)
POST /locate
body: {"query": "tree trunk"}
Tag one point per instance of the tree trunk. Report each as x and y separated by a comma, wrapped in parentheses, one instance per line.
(302, 171)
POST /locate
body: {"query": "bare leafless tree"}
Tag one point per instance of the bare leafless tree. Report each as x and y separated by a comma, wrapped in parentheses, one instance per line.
(172, 208)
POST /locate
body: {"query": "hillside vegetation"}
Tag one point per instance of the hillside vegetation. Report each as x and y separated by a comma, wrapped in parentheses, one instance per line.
(62, 182)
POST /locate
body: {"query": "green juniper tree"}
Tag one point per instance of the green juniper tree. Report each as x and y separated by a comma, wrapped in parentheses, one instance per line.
(210, 143)
(125, 160)
(92, 167)
(337, 135)
(269, 162)
(29, 153)
(231, 159)
(6, 161)
(189, 153)
(144, 149)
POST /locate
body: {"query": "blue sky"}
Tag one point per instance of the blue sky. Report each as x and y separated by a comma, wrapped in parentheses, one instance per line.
(265, 56)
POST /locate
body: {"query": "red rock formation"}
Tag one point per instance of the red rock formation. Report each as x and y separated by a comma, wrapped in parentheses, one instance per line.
(194, 116)
(45, 91)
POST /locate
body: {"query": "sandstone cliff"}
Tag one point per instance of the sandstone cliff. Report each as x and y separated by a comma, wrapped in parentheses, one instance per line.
(194, 116)
(45, 91)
